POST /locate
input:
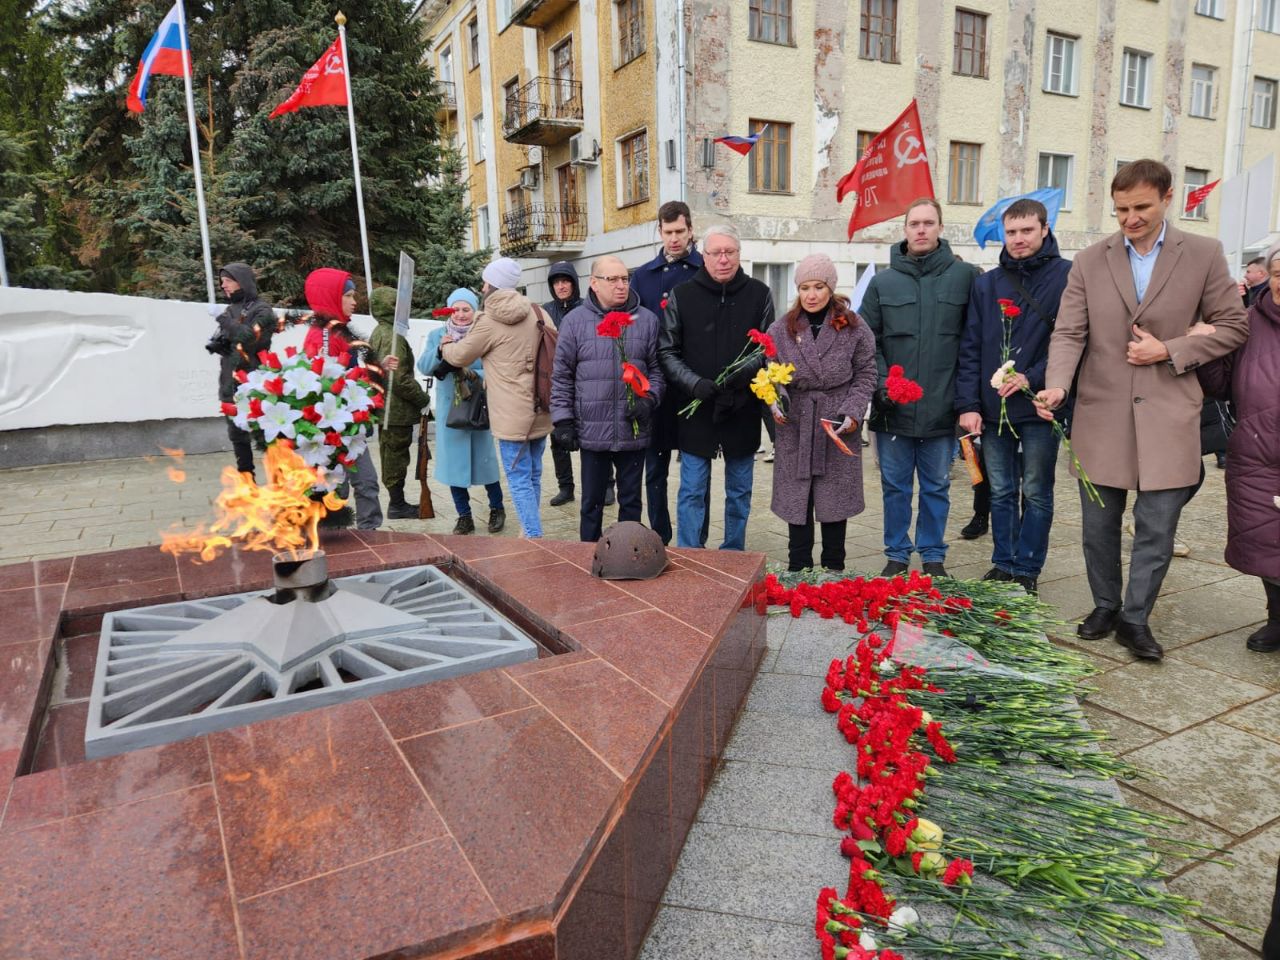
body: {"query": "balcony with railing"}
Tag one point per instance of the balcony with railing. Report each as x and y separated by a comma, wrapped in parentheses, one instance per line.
(447, 93)
(538, 13)
(544, 111)
(543, 229)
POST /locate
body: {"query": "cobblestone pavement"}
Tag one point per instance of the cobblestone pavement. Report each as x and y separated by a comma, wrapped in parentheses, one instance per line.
(1206, 720)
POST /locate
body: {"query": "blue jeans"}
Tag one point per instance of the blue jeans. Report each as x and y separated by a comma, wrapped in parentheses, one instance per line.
(462, 498)
(1021, 495)
(522, 462)
(691, 504)
(902, 459)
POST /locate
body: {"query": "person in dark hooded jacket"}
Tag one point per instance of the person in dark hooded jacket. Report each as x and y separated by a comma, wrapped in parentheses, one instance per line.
(244, 328)
(592, 407)
(562, 278)
(1019, 448)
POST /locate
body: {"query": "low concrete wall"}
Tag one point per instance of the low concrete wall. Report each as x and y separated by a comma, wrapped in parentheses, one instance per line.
(92, 376)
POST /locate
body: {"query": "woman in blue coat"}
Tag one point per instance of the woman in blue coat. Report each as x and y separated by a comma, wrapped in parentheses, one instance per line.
(464, 458)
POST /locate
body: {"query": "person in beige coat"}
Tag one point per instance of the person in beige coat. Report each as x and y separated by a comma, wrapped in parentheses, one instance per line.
(504, 337)
(1142, 309)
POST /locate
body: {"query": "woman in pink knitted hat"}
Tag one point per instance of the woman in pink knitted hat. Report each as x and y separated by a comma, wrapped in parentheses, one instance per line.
(834, 354)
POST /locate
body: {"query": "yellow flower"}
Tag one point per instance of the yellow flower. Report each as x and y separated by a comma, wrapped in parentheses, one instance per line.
(780, 372)
(763, 388)
(927, 835)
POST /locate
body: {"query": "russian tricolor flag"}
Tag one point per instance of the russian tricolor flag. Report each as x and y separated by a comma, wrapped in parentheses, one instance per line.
(741, 145)
(164, 55)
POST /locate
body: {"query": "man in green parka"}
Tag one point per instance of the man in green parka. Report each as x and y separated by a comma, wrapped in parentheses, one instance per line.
(405, 402)
(916, 309)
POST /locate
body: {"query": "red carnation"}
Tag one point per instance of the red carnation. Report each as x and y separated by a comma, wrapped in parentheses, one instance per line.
(255, 407)
(274, 386)
(229, 409)
(958, 871)
(1009, 308)
(902, 390)
(830, 702)
(764, 340)
(613, 322)
(442, 312)
(337, 386)
(333, 439)
(360, 416)
(310, 414)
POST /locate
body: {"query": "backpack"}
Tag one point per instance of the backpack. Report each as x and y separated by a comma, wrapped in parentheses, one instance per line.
(544, 359)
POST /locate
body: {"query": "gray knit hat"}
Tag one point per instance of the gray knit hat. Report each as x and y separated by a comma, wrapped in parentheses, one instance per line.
(1272, 253)
(502, 274)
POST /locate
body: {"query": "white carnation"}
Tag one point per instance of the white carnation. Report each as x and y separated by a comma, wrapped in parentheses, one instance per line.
(1003, 373)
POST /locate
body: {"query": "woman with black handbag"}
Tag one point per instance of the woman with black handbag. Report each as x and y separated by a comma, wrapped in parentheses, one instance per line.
(465, 453)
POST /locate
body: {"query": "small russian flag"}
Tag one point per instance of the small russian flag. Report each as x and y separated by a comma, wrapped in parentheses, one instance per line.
(740, 145)
(164, 55)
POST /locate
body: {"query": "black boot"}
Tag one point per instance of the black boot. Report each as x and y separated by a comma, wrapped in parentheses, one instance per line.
(975, 527)
(564, 496)
(1267, 639)
(399, 508)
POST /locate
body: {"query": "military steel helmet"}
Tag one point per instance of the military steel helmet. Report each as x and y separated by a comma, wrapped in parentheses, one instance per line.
(629, 551)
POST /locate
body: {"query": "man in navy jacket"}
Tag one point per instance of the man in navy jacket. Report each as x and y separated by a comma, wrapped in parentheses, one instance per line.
(676, 262)
(1020, 448)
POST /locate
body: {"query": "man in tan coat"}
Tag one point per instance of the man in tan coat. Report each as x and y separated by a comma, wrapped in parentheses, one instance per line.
(1142, 309)
(505, 339)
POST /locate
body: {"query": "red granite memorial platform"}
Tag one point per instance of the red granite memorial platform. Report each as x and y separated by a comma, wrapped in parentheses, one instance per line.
(533, 812)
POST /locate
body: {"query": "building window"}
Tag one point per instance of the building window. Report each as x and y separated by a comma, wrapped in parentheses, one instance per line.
(770, 158)
(504, 13)
(1203, 90)
(1135, 90)
(1060, 64)
(777, 277)
(1269, 16)
(1055, 171)
(1209, 8)
(482, 227)
(879, 36)
(1193, 179)
(511, 104)
(562, 71)
(473, 41)
(962, 181)
(480, 149)
(1263, 113)
(630, 20)
(633, 169)
(970, 58)
(864, 140)
(445, 74)
(771, 21)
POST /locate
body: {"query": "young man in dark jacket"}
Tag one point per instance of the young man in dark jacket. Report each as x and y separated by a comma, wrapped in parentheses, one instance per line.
(1019, 448)
(916, 310)
(591, 405)
(676, 262)
(244, 328)
(704, 328)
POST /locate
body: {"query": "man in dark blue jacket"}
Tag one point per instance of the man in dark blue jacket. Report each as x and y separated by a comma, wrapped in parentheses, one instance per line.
(592, 407)
(1020, 448)
(676, 262)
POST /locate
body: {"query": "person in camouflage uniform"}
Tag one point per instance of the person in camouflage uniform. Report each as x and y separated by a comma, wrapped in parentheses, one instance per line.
(405, 402)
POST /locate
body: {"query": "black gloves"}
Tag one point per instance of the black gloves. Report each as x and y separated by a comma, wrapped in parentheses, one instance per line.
(705, 389)
(725, 408)
(444, 369)
(643, 413)
(565, 436)
(880, 400)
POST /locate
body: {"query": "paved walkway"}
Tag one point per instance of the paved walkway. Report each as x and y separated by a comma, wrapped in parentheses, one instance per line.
(1207, 719)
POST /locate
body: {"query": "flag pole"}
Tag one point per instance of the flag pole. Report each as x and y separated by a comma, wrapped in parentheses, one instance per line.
(341, 20)
(195, 152)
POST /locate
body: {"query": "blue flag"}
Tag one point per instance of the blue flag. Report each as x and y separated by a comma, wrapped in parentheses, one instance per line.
(990, 225)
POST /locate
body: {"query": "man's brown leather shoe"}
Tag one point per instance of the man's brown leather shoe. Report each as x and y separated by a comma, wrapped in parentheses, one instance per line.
(1098, 624)
(1137, 637)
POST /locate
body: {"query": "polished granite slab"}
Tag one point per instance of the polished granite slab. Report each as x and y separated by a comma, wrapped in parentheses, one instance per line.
(533, 812)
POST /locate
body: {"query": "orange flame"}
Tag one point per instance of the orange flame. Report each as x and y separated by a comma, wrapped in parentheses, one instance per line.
(280, 517)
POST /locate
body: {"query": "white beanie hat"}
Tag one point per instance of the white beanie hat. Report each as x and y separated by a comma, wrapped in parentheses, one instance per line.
(502, 274)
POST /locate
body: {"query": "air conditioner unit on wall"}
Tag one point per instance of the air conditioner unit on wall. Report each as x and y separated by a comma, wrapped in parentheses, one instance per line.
(529, 178)
(579, 156)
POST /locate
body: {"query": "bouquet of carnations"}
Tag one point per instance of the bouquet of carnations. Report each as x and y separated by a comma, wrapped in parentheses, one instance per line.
(314, 404)
(613, 326)
(758, 344)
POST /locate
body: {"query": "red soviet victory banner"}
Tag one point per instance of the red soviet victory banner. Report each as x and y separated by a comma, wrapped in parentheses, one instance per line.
(324, 85)
(892, 171)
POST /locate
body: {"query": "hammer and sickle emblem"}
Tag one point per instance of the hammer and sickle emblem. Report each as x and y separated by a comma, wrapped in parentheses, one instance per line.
(907, 148)
(333, 64)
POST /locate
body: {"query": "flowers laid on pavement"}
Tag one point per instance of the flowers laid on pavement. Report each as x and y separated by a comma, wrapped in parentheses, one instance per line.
(952, 722)
(901, 389)
(314, 403)
(758, 344)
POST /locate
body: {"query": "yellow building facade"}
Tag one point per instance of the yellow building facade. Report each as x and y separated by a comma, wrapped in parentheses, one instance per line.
(592, 113)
